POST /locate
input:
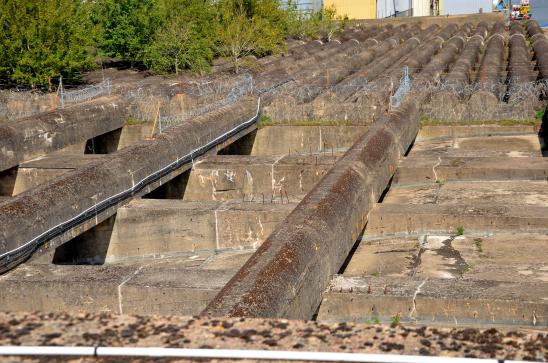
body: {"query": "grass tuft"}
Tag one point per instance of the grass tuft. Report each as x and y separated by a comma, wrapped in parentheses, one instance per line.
(479, 244)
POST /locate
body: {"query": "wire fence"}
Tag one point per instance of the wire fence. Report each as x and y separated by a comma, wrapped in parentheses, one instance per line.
(16, 104)
(225, 92)
(87, 93)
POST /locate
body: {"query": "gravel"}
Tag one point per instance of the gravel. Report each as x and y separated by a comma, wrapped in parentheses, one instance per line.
(199, 332)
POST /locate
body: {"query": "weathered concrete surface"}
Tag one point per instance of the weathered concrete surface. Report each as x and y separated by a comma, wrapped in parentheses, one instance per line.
(435, 301)
(482, 257)
(510, 146)
(462, 248)
(305, 139)
(180, 286)
(272, 178)
(474, 206)
(429, 169)
(388, 219)
(159, 228)
(132, 134)
(35, 211)
(28, 138)
(35, 172)
(287, 274)
(522, 192)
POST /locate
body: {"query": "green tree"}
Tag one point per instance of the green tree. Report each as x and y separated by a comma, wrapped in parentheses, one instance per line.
(43, 39)
(248, 29)
(185, 40)
(125, 27)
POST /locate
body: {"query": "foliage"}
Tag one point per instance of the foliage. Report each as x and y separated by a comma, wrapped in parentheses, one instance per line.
(396, 320)
(479, 244)
(125, 27)
(187, 40)
(459, 231)
(43, 39)
(249, 28)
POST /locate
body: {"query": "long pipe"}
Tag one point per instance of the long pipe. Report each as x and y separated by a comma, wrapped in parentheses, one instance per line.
(152, 352)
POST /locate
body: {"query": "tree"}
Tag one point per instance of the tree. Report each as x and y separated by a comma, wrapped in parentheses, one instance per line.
(186, 37)
(43, 39)
(125, 27)
(244, 31)
(180, 44)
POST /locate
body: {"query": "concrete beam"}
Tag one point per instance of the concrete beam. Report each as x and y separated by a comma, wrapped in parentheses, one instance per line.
(305, 139)
(83, 192)
(38, 171)
(37, 135)
(287, 274)
(257, 178)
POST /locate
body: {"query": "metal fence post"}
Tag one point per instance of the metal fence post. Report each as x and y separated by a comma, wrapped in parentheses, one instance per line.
(61, 92)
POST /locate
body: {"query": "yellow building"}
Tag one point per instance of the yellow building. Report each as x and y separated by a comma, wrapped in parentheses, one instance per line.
(355, 9)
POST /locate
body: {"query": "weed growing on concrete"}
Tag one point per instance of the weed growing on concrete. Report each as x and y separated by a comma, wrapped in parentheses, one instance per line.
(459, 231)
(479, 244)
(539, 115)
(377, 321)
(135, 121)
(396, 320)
(265, 120)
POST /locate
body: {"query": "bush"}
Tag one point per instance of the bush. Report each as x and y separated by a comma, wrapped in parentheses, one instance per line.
(43, 39)
(185, 40)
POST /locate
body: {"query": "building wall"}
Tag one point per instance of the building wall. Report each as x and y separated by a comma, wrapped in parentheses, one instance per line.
(458, 7)
(385, 8)
(354, 9)
(305, 6)
(421, 8)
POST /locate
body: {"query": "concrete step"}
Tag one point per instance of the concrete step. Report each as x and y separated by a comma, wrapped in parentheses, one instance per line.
(523, 192)
(394, 219)
(38, 171)
(415, 170)
(170, 286)
(481, 257)
(511, 146)
(239, 177)
(304, 139)
(455, 302)
(146, 229)
(470, 130)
